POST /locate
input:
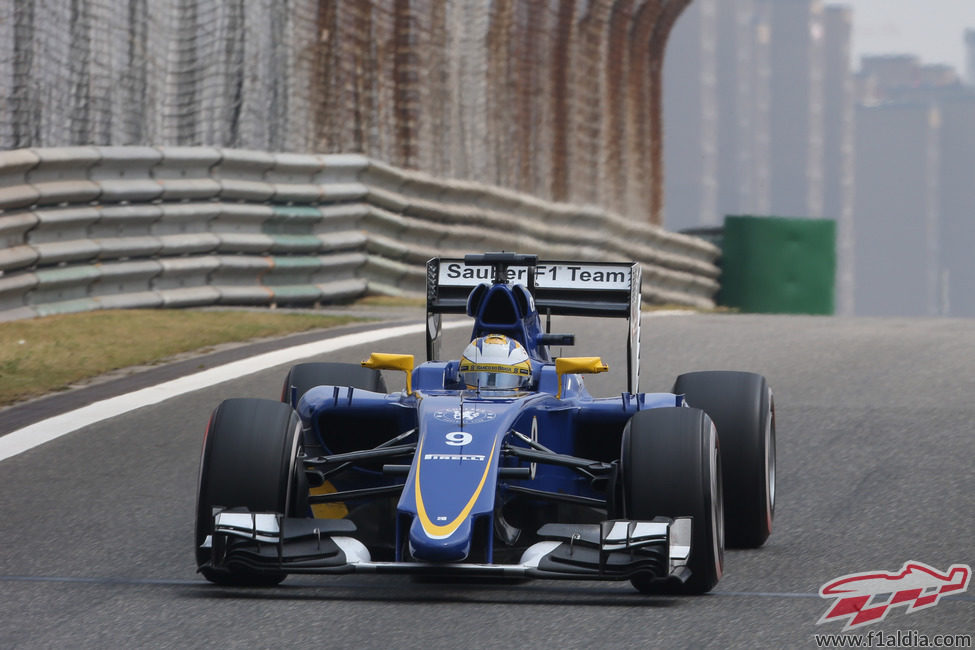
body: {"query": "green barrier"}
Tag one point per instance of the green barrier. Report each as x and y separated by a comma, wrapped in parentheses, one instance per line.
(778, 265)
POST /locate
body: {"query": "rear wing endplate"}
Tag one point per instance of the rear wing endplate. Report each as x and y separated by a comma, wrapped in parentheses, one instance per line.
(599, 289)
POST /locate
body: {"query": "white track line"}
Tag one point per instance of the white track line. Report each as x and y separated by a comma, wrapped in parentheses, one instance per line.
(21, 440)
(52, 428)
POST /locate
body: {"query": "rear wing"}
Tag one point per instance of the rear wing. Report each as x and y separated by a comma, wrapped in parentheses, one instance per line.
(600, 289)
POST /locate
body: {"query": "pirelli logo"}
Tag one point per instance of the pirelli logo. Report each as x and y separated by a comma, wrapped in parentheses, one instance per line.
(473, 457)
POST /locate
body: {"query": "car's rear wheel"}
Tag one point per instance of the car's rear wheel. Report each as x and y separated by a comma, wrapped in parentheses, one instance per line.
(670, 466)
(742, 408)
(305, 376)
(250, 460)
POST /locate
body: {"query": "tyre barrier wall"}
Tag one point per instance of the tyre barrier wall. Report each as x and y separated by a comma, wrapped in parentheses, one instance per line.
(85, 228)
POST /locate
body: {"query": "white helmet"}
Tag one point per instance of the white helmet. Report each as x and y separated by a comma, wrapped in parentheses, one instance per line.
(495, 362)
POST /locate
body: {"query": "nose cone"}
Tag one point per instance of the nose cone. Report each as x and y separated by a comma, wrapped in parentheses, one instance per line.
(454, 547)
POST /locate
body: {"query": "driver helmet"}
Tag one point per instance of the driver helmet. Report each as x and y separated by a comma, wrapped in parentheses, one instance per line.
(495, 362)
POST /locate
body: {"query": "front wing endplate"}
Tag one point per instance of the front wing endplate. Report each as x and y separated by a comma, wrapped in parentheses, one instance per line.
(611, 550)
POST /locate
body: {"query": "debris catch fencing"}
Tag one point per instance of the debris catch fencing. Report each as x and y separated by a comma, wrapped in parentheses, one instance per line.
(560, 100)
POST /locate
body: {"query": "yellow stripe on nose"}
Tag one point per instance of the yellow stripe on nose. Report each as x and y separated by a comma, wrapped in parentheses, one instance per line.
(436, 531)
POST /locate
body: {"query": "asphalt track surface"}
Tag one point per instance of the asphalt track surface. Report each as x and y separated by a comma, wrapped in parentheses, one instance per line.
(875, 451)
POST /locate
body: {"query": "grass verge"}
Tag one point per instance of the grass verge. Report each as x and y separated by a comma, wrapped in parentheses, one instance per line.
(646, 306)
(390, 301)
(42, 355)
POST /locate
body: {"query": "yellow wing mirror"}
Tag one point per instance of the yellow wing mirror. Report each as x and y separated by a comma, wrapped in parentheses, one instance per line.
(385, 361)
(578, 365)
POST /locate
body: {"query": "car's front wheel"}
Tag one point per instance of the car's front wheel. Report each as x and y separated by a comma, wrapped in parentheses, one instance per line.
(670, 467)
(250, 460)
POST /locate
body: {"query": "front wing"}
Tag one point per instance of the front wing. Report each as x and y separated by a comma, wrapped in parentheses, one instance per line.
(611, 550)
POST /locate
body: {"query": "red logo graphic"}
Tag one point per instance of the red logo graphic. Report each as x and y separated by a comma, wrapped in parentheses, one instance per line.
(865, 598)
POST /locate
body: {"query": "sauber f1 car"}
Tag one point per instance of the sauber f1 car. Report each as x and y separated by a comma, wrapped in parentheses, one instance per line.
(496, 464)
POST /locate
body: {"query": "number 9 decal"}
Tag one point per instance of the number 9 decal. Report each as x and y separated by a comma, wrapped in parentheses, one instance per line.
(459, 438)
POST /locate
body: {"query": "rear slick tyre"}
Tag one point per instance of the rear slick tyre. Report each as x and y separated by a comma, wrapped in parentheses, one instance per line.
(743, 411)
(670, 466)
(305, 376)
(249, 460)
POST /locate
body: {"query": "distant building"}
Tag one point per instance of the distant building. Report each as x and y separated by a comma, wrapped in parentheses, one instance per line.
(942, 156)
(970, 57)
(838, 145)
(896, 207)
(891, 71)
(690, 120)
(957, 205)
(716, 113)
(903, 78)
(796, 107)
(764, 116)
(939, 75)
(761, 88)
(742, 101)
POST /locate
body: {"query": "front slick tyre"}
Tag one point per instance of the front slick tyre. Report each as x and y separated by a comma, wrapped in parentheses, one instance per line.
(670, 467)
(249, 461)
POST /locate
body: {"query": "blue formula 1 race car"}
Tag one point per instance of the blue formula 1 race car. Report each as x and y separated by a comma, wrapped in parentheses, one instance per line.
(499, 463)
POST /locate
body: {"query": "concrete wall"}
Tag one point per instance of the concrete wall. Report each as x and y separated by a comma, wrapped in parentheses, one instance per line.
(86, 228)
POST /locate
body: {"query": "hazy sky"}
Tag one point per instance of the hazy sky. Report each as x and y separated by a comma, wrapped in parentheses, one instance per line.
(931, 29)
